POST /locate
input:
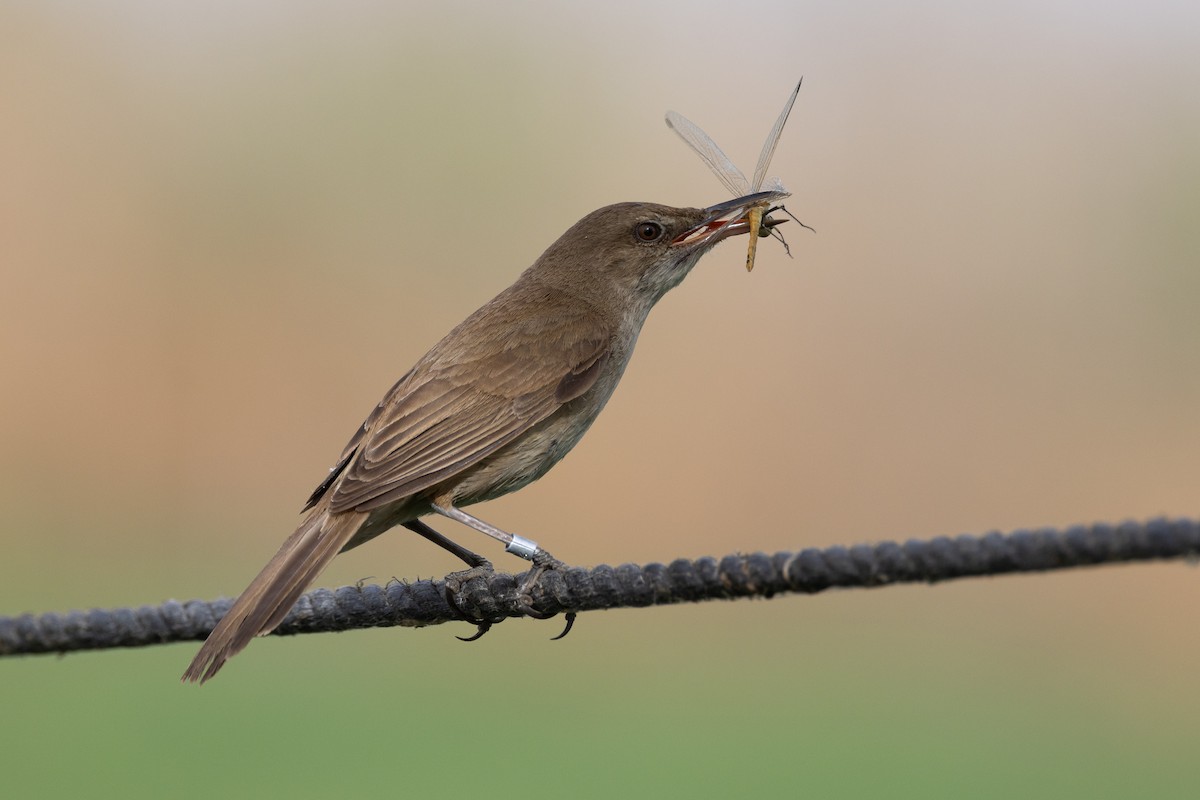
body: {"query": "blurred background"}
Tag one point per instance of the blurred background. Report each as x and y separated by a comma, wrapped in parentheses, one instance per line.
(227, 228)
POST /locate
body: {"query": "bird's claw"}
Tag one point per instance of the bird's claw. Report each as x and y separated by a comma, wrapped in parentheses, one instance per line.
(566, 628)
(481, 628)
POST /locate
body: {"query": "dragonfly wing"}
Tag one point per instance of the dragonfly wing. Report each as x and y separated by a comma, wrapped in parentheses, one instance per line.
(768, 151)
(710, 153)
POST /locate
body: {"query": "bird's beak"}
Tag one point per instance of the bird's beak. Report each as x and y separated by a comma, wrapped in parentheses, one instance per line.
(730, 218)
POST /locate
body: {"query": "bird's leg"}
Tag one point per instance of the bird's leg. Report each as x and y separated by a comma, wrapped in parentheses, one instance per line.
(520, 546)
(472, 560)
(517, 545)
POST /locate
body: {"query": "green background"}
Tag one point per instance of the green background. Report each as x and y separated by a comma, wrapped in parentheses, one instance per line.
(228, 227)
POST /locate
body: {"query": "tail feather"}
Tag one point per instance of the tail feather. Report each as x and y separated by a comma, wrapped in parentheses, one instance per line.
(271, 595)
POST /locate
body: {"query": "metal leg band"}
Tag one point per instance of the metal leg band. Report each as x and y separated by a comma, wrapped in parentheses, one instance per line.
(520, 546)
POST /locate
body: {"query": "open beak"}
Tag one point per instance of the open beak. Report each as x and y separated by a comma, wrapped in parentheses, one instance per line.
(731, 218)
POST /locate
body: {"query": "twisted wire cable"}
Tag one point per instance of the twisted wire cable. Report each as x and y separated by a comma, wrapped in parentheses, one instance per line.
(493, 598)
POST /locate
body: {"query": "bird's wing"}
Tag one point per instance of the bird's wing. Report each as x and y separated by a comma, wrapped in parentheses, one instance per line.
(494, 377)
(352, 446)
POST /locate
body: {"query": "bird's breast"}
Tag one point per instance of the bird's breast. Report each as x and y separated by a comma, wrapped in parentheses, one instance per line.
(533, 453)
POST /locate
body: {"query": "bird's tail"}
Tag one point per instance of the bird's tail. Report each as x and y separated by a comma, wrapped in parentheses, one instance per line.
(271, 595)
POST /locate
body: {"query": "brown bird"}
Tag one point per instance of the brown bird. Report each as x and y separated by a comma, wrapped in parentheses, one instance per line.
(494, 405)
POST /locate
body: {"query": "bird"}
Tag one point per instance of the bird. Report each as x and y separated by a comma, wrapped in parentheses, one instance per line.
(493, 405)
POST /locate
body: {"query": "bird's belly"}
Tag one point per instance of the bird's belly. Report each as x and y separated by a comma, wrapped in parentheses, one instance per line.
(524, 460)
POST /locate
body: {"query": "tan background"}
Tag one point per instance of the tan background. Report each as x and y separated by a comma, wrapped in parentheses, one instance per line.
(225, 229)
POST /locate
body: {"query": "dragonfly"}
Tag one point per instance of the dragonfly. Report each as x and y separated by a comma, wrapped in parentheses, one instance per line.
(733, 178)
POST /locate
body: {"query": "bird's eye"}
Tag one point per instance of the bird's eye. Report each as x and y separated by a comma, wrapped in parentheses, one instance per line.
(648, 231)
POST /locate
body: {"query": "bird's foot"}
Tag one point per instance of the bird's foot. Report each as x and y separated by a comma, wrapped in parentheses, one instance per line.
(471, 586)
(542, 563)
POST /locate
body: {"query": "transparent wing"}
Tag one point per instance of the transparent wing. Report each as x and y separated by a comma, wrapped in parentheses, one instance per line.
(712, 155)
(768, 151)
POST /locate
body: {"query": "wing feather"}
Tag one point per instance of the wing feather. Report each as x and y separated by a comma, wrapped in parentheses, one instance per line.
(469, 397)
